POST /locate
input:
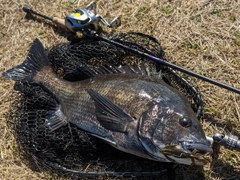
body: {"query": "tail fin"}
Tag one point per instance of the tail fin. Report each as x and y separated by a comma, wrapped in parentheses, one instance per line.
(34, 62)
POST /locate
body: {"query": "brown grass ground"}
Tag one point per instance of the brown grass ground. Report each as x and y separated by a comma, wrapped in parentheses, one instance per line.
(203, 36)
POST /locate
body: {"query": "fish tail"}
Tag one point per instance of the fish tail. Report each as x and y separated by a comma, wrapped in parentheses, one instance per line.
(33, 70)
(33, 64)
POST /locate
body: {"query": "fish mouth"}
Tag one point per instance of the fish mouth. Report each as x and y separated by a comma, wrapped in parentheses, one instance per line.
(200, 147)
(188, 152)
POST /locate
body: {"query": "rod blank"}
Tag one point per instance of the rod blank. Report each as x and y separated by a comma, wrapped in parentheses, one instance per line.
(161, 61)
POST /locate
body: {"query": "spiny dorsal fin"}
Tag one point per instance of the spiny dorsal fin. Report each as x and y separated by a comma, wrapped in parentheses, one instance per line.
(86, 72)
(107, 69)
(133, 69)
(81, 73)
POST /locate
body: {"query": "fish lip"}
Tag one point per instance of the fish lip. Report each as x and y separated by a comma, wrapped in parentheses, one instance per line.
(202, 148)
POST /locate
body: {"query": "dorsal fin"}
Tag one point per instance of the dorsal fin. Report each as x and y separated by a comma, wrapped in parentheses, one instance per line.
(86, 72)
(107, 69)
(81, 73)
(135, 69)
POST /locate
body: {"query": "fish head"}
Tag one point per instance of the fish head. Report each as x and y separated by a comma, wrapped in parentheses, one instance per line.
(175, 133)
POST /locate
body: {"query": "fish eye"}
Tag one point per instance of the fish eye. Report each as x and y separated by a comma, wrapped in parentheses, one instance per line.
(185, 122)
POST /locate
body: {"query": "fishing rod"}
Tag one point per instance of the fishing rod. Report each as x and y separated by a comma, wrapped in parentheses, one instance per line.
(166, 63)
(87, 21)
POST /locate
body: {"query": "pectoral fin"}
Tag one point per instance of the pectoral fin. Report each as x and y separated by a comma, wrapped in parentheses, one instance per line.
(110, 116)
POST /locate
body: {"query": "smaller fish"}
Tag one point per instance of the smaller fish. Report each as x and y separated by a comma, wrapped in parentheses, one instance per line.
(130, 108)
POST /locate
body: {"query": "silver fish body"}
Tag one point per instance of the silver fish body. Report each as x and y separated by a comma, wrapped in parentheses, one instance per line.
(128, 107)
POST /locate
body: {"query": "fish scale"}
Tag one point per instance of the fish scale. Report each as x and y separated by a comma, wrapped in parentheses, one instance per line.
(128, 107)
(80, 98)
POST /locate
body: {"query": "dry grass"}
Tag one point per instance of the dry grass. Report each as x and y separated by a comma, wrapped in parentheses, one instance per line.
(203, 36)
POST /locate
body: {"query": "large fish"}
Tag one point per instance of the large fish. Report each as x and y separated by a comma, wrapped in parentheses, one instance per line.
(129, 107)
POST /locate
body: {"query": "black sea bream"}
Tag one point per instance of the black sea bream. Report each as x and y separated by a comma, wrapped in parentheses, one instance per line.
(129, 107)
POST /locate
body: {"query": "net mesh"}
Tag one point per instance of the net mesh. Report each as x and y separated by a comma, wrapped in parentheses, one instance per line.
(70, 151)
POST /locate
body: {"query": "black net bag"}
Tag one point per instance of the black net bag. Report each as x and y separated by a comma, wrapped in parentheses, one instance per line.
(68, 150)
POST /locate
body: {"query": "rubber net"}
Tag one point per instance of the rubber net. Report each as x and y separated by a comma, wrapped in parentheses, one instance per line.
(70, 151)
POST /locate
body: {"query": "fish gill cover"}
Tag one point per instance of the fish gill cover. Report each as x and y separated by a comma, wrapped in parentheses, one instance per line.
(69, 150)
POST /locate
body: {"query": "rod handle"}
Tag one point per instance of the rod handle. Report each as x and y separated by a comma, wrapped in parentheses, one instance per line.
(27, 9)
(59, 22)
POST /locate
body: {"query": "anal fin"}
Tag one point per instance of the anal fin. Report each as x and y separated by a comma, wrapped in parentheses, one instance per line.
(55, 119)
